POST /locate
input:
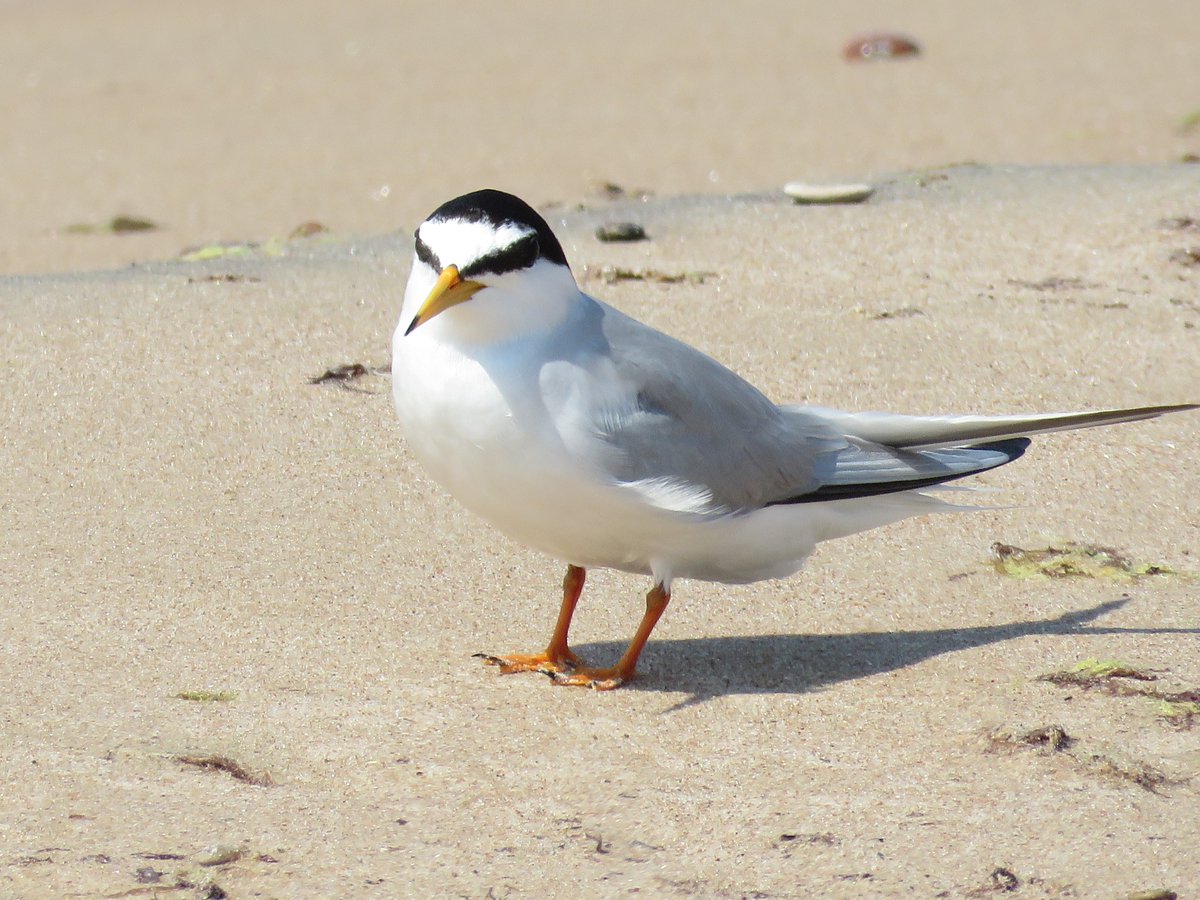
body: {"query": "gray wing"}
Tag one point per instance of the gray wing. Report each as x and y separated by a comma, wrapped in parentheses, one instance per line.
(695, 424)
(695, 427)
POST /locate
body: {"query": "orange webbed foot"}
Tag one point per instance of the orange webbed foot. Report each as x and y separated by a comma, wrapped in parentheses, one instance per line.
(596, 679)
(547, 663)
(557, 658)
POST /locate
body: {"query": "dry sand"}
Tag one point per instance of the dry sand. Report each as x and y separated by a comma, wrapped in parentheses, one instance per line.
(184, 512)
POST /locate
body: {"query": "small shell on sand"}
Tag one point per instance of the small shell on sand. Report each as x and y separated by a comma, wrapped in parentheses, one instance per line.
(827, 193)
(880, 45)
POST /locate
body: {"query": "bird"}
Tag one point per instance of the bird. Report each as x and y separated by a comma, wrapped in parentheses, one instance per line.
(593, 438)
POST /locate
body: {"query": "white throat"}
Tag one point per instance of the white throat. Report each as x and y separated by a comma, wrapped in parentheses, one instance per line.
(512, 306)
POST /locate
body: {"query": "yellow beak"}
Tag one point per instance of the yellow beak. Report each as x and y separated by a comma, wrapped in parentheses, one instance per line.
(449, 291)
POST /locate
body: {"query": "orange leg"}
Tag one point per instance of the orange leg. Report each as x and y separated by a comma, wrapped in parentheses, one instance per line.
(557, 657)
(608, 679)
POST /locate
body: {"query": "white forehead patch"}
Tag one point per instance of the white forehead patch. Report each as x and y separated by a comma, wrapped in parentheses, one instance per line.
(460, 243)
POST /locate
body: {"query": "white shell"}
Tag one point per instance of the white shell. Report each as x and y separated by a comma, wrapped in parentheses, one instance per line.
(827, 193)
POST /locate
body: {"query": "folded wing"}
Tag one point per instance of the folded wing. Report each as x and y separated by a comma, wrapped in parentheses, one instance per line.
(697, 438)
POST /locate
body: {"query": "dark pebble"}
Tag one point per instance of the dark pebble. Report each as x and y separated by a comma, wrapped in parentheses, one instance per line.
(615, 232)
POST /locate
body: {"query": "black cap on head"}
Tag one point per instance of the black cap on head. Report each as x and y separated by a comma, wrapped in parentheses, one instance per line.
(498, 208)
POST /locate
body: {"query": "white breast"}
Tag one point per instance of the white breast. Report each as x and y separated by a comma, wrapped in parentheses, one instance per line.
(496, 449)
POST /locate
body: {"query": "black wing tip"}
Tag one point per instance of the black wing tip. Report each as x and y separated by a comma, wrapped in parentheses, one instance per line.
(1012, 448)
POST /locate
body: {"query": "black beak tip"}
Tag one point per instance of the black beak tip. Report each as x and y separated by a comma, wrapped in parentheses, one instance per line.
(412, 325)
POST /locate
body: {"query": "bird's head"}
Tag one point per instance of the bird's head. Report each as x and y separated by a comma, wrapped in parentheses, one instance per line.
(493, 263)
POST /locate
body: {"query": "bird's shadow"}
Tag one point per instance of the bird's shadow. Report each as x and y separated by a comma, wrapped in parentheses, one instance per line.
(797, 663)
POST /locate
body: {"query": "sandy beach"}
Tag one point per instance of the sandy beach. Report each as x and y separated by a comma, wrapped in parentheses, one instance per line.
(239, 619)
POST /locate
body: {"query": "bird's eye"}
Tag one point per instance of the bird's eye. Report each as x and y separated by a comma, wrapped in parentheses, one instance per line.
(531, 249)
(521, 255)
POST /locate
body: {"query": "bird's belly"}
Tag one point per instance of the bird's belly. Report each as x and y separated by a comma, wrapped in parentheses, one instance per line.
(539, 500)
(513, 470)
